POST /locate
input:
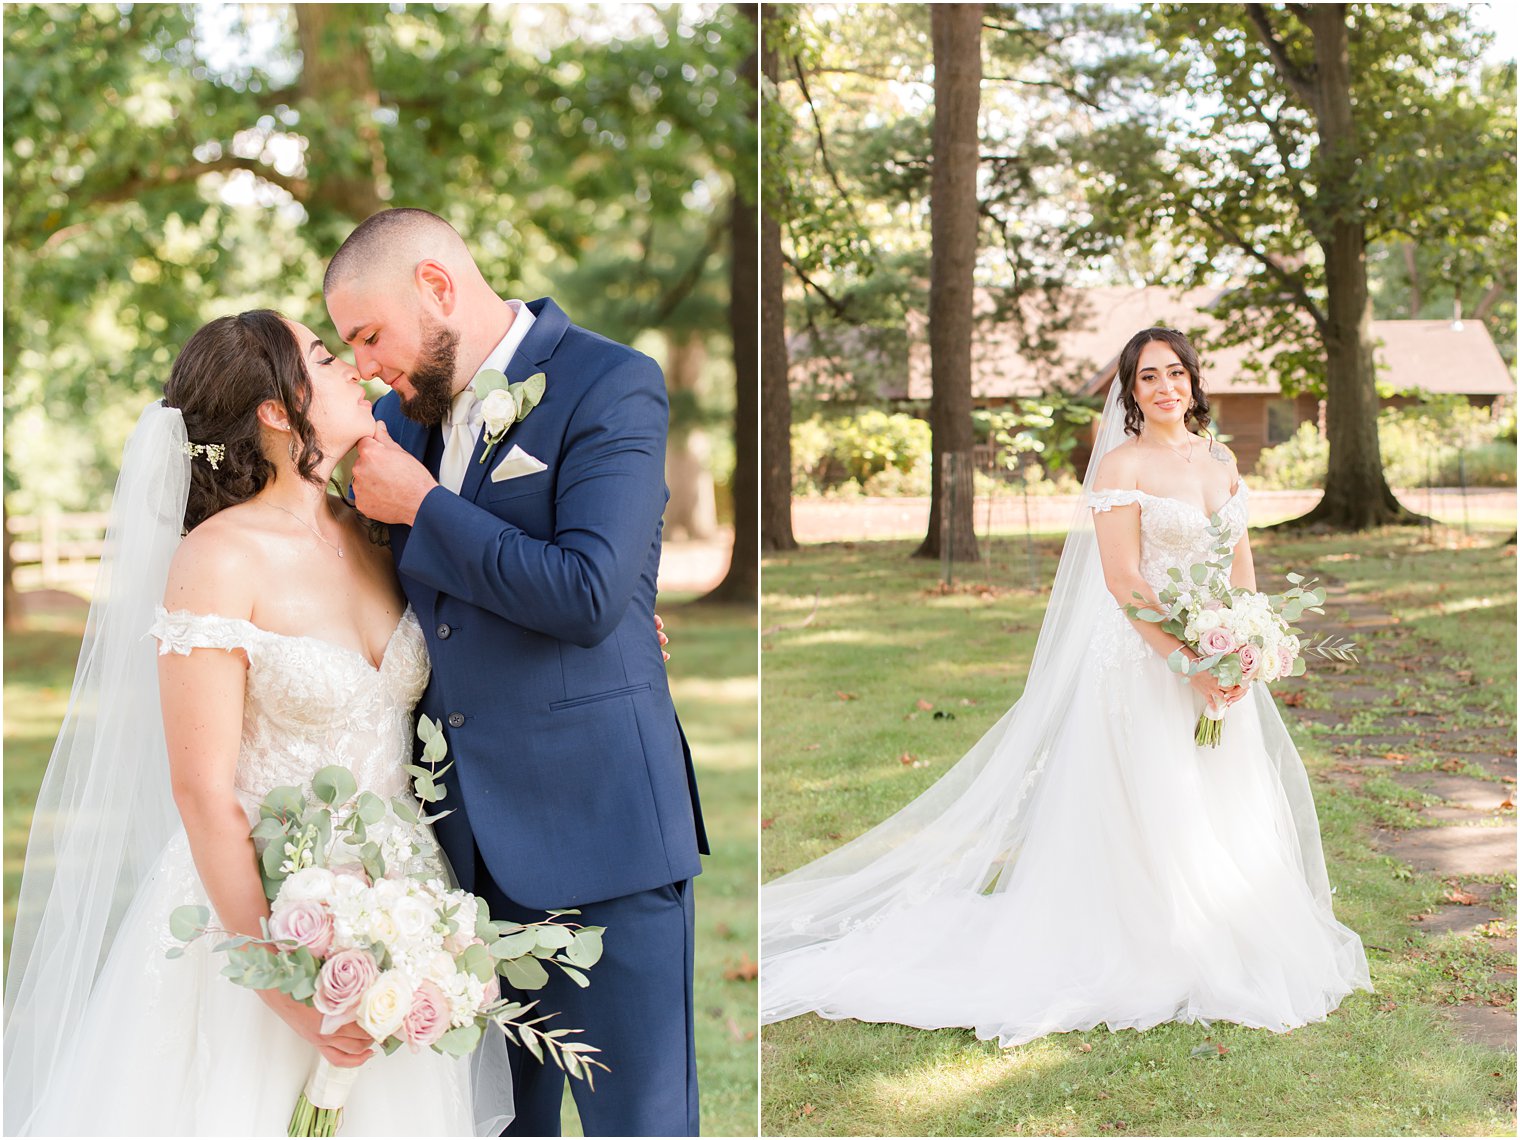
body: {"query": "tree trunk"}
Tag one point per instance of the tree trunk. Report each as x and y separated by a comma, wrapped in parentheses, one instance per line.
(345, 156)
(1412, 267)
(692, 511)
(957, 35)
(13, 617)
(741, 585)
(1357, 496)
(775, 390)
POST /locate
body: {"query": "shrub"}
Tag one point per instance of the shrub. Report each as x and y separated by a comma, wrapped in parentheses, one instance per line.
(828, 451)
(1419, 443)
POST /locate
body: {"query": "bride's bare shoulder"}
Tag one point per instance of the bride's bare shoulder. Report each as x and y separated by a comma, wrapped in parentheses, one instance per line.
(217, 565)
(1119, 470)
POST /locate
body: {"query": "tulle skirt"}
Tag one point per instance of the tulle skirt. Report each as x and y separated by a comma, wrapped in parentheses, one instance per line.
(172, 1048)
(1155, 881)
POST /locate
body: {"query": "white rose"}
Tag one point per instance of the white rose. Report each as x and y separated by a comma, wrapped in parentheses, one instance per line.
(440, 969)
(382, 927)
(1205, 620)
(313, 884)
(412, 917)
(385, 1005)
(499, 410)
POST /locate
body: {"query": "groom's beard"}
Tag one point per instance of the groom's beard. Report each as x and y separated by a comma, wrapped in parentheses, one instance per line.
(433, 377)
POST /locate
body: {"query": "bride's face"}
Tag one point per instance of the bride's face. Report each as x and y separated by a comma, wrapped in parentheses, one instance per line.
(1163, 390)
(340, 411)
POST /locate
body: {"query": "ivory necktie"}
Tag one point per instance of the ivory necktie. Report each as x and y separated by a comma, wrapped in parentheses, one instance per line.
(460, 443)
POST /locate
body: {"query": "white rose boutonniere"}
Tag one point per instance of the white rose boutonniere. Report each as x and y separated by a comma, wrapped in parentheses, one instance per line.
(504, 404)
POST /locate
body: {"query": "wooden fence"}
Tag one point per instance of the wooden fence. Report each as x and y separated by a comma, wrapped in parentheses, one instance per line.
(57, 550)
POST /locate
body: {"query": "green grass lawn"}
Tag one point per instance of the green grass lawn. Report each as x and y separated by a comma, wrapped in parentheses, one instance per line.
(713, 679)
(854, 636)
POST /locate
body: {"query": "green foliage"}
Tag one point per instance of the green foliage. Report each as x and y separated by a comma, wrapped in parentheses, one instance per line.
(828, 451)
(1444, 443)
(168, 163)
(1237, 182)
(1039, 436)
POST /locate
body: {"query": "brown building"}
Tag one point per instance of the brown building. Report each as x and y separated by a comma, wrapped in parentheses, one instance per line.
(1433, 356)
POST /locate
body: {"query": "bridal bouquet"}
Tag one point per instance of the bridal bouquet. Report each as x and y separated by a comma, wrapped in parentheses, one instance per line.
(1238, 635)
(363, 928)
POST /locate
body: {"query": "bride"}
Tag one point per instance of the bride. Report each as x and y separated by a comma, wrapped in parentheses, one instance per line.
(283, 645)
(1085, 862)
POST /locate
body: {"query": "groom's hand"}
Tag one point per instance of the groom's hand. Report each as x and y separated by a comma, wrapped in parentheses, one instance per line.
(389, 485)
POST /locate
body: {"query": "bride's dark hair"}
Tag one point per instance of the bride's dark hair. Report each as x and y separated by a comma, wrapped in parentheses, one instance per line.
(1197, 418)
(224, 372)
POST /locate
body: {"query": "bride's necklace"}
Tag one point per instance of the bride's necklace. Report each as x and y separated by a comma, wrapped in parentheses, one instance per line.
(1186, 454)
(306, 524)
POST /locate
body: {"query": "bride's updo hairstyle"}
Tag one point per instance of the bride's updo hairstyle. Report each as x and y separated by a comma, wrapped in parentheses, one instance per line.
(225, 371)
(1197, 418)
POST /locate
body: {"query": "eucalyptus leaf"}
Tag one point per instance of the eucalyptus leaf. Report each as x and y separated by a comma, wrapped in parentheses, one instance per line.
(188, 922)
(514, 945)
(460, 1042)
(554, 937)
(371, 808)
(525, 973)
(333, 784)
(427, 727)
(586, 950)
(574, 975)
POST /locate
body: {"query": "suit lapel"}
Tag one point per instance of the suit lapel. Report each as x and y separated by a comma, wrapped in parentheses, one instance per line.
(549, 325)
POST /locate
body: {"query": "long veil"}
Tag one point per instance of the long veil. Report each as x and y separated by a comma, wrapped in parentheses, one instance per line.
(105, 810)
(964, 831)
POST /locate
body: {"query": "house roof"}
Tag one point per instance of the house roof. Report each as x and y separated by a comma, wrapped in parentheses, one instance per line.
(1436, 356)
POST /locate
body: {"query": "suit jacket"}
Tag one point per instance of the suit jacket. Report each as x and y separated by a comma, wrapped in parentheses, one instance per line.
(572, 778)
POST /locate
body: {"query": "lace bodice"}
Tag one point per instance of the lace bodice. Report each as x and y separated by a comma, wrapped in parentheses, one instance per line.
(310, 703)
(1172, 533)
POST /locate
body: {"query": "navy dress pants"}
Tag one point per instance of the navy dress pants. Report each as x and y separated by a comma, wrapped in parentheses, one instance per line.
(637, 1011)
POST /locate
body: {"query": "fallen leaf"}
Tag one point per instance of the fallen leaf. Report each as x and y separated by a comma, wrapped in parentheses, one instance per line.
(906, 758)
(1461, 897)
(1388, 1006)
(967, 702)
(1293, 700)
(746, 971)
(1508, 804)
(812, 748)
(1452, 765)
(923, 705)
(1085, 1047)
(1105, 1095)
(1396, 757)
(765, 824)
(808, 1110)
(1222, 1050)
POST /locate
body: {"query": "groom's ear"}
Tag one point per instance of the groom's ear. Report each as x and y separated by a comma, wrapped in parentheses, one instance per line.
(436, 285)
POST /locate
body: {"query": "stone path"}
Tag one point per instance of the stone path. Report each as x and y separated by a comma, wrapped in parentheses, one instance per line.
(1460, 779)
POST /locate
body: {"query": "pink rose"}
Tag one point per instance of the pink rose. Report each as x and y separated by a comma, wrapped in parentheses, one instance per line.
(428, 1018)
(1250, 661)
(306, 923)
(493, 989)
(353, 871)
(1216, 640)
(1285, 661)
(343, 981)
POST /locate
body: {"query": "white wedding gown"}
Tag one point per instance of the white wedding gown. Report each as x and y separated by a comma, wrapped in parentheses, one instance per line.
(1091, 865)
(172, 1048)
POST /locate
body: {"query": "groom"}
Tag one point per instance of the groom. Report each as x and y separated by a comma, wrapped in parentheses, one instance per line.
(530, 560)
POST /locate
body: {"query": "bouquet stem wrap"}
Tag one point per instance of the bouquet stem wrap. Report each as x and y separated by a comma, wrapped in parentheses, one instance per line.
(319, 1110)
(1210, 729)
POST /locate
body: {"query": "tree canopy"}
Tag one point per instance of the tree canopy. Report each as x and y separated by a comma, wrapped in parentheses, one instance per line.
(168, 163)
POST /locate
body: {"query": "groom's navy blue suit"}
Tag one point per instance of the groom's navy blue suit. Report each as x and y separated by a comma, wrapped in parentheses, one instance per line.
(573, 784)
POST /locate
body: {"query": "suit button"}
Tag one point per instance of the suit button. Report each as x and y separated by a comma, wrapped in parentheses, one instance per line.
(443, 631)
(456, 720)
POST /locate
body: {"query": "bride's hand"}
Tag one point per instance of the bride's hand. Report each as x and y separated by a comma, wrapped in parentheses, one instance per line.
(1216, 695)
(346, 1047)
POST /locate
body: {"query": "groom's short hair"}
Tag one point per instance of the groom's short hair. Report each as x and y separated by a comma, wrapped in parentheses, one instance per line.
(401, 237)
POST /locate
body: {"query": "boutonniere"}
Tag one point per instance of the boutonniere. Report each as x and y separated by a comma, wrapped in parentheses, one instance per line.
(503, 404)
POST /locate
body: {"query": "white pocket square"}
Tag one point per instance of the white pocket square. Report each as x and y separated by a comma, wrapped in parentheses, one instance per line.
(516, 464)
